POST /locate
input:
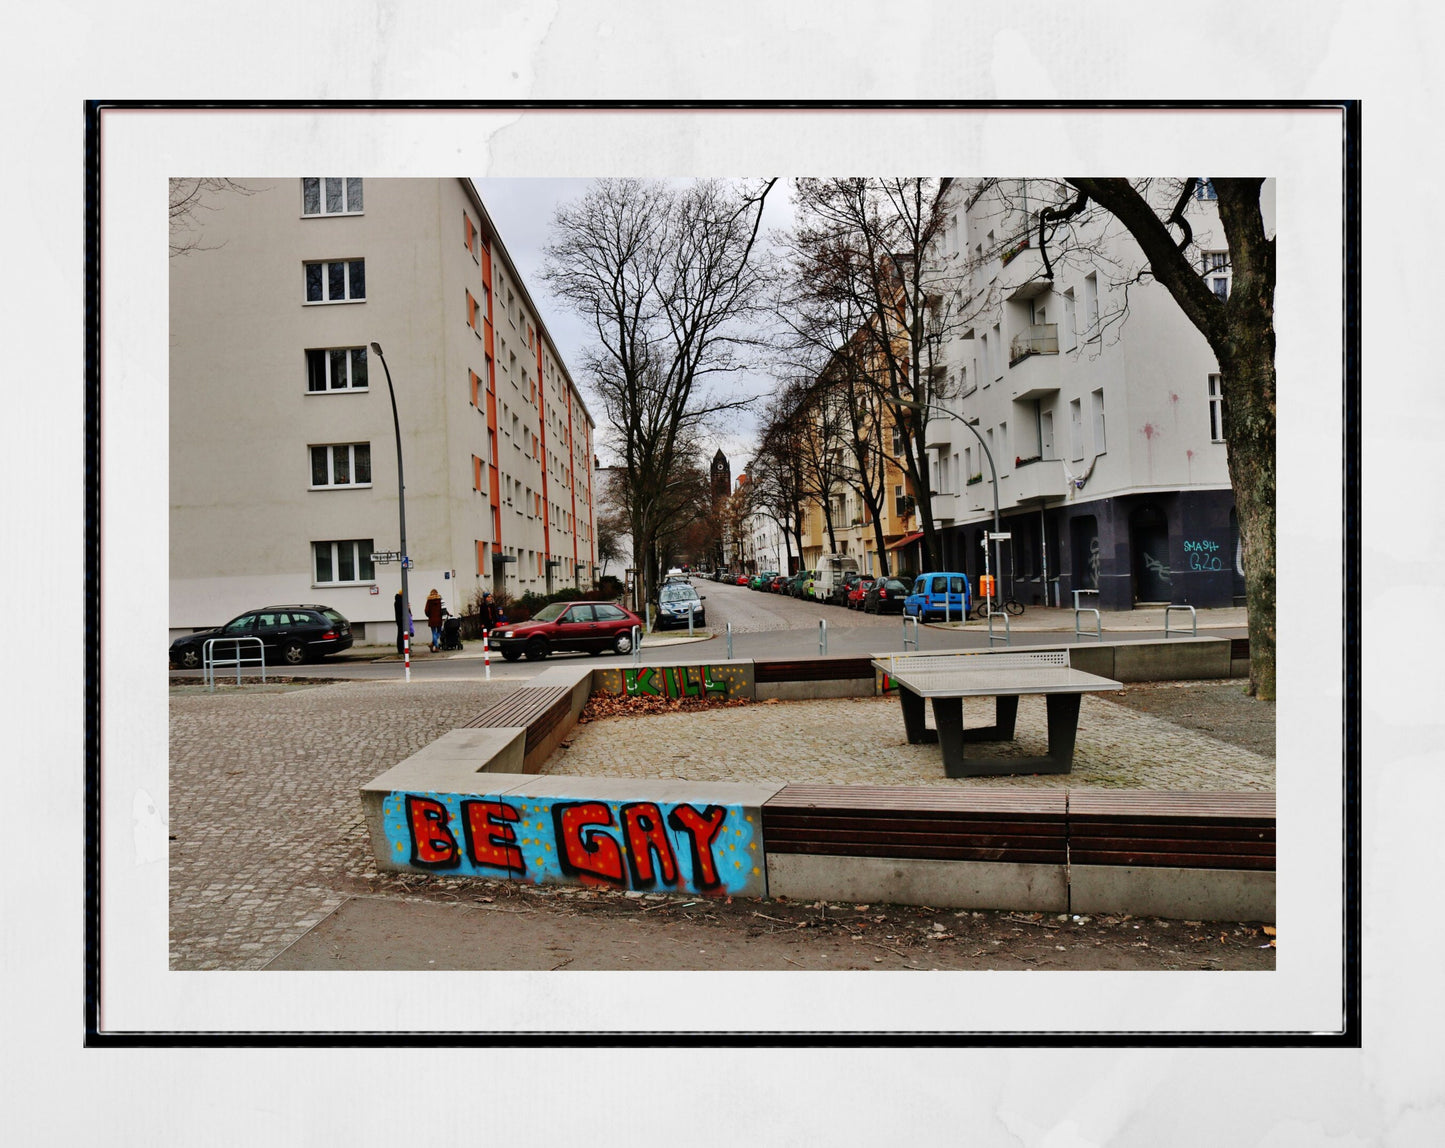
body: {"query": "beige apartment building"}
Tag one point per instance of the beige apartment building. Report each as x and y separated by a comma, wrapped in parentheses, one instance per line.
(283, 455)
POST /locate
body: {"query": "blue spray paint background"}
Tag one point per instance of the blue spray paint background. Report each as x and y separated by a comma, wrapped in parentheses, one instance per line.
(737, 851)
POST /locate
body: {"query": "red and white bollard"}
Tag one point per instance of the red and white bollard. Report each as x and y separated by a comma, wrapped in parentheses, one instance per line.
(406, 653)
(486, 655)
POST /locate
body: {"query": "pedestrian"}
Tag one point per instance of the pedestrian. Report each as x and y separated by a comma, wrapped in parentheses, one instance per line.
(489, 613)
(400, 612)
(434, 618)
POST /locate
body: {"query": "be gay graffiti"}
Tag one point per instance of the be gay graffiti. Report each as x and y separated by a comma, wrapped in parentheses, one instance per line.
(642, 845)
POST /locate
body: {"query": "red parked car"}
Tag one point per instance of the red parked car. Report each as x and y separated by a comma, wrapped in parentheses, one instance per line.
(586, 627)
(775, 584)
(742, 580)
(858, 591)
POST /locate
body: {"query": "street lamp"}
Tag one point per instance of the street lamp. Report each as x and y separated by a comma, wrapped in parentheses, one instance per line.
(401, 507)
(909, 404)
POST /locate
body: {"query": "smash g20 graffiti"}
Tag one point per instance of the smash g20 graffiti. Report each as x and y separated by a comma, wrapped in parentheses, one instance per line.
(642, 845)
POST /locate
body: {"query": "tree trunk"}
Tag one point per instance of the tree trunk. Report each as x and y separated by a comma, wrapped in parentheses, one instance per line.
(1248, 382)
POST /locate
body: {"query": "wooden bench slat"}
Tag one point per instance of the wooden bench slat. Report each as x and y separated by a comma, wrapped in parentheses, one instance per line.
(1018, 856)
(901, 822)
(1178, 860)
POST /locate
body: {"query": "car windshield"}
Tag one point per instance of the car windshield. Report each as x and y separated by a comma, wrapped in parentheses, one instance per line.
(550, 613)
(677, 593)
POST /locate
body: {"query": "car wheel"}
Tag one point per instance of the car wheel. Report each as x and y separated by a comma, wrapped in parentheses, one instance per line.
(511, 654)
(622, 644)
(536, 650)
(190, 659)
(293, 653)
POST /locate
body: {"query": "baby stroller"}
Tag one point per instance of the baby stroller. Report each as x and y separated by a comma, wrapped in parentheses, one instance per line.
(451, 633)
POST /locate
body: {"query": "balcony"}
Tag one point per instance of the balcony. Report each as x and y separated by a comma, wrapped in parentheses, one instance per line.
(1041, 478)
(1034, 362)
(1022, 277)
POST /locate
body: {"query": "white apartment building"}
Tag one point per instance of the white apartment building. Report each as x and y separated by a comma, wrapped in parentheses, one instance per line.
(1102, 413)
(283, 450)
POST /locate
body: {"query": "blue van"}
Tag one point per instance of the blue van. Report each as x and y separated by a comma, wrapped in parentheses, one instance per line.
(930, 593)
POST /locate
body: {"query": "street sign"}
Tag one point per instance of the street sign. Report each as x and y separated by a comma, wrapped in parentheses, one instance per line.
(406, 563)
(386, 556)
(1004, 537)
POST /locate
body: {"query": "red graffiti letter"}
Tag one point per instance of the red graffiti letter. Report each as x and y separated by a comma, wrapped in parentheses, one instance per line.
(642, 827)
(596, 854)
(432, 843)
(490, 837)
(702, 829)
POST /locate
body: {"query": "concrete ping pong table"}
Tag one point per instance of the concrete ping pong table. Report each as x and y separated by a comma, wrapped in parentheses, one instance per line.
(1006, 675)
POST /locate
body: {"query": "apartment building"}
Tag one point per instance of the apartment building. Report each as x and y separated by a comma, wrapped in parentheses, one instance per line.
(1090, 398)
(283, 446)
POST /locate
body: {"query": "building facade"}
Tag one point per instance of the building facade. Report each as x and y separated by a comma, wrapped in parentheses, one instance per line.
(283, 447)
(1085, 394)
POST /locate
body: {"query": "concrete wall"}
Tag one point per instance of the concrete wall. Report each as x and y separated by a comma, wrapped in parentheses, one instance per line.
(718, 681)
(905, 881)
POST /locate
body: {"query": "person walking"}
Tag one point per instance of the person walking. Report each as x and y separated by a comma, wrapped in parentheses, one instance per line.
(434, 618)
(401, 622)
(489, 613)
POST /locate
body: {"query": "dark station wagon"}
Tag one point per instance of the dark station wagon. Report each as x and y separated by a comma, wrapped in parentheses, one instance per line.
(289, 634)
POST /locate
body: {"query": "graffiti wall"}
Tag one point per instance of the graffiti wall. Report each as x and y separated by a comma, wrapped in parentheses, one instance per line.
(714, 682)
(644, 845)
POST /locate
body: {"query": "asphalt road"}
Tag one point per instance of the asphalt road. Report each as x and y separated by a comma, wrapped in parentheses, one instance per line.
(763, 626)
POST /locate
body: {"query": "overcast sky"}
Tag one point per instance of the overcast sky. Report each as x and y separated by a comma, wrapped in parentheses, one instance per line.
(522, 210)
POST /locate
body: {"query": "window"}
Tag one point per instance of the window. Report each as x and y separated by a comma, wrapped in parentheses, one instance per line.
(1076, 430)
(343, 464)
(348, 561)
(998, 356)
(900, 501)
(335, 369)
(1003, 444)
(472, 316)
(987, 361)
(1091, 305)
(1068, 329)
(1216, 272)
(1100, 441)
(331, 195)
(1216, 409)
(342, 281)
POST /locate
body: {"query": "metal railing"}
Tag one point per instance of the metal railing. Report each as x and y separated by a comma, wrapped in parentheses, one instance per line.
(1193, 620)
(1098, 618)
(1007, 638)
(209, 661)
(907, 641)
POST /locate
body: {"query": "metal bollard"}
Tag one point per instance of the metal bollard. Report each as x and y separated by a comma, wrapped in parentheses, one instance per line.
(636, 646)
(689, 623)
(822, 635)
(906, 640)
(487, 655)
(730, 641)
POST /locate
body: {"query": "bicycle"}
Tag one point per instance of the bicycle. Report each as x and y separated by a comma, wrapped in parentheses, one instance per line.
(1011, 606)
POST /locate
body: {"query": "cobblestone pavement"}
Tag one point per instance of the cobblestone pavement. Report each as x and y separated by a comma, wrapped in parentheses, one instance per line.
(860, 741)
(264, 813)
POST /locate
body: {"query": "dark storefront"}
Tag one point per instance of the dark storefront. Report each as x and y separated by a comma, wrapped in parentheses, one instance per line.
(1180, 547)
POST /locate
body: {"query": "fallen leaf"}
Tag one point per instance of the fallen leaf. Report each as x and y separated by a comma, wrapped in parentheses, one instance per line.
(1269, 931)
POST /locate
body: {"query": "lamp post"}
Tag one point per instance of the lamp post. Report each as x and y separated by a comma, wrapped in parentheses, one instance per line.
(401, 508)
(909, 404)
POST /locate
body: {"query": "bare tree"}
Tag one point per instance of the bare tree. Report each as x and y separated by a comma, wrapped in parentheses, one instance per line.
(669, 280)
(188, 197)
(871, 243)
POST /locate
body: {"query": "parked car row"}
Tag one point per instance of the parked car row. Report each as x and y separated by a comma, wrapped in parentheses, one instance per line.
(941, 596)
